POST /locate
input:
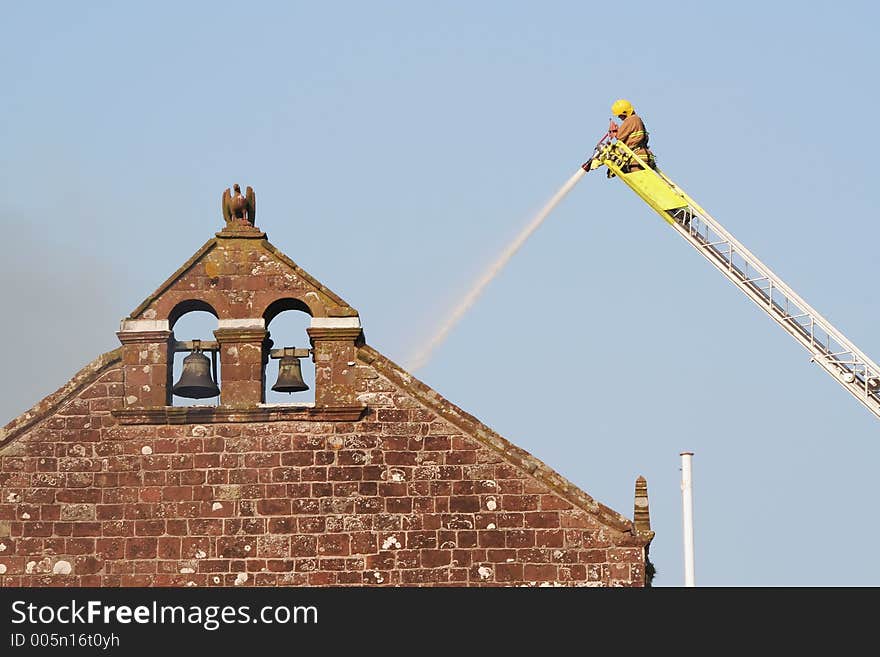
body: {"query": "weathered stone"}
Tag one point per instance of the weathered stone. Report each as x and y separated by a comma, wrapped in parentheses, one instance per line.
(381, 482)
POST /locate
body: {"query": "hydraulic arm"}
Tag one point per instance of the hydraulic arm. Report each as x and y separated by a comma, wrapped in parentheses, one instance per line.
(828, 347)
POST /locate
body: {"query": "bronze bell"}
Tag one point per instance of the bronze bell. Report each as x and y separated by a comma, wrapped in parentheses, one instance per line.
(195, 379)
(289, 374)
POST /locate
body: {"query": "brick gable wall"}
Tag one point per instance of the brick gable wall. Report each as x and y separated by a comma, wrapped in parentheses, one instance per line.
(401, 496)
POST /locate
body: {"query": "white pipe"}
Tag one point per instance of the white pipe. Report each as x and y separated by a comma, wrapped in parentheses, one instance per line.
(687, 501)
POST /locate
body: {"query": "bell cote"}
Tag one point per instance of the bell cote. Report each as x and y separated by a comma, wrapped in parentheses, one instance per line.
(245, 282)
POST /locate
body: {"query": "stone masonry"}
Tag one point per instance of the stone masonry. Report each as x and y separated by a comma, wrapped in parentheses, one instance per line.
(380, 482)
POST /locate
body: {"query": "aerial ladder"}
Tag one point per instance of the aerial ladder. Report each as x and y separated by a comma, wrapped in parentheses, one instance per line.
(828, 347)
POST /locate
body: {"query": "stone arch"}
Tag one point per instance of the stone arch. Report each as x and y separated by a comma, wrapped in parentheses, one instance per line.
(188, 306)
(286, 303)
(286, 329)
(189, 320)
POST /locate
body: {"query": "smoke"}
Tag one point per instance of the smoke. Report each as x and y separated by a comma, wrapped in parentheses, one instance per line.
(424, 355)
(62, 305)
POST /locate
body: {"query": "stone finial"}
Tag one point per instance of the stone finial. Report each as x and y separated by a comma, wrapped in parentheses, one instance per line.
(239, 208)
(641, 515)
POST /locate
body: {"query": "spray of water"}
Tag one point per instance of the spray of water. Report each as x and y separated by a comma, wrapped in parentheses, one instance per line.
(424, 355)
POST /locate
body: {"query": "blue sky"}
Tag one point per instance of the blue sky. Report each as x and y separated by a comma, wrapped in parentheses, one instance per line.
(396, 148)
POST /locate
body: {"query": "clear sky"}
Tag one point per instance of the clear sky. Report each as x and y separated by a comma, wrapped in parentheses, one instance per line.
(397, 148)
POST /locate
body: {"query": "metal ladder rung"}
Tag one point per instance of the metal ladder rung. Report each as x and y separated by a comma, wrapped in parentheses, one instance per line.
(827, 346)
(711, 244)
(835, 354)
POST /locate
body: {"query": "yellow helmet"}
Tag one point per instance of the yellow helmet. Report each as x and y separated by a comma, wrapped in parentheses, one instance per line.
(622, 106)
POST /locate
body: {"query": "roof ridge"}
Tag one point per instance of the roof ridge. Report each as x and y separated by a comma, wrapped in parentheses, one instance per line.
(207, 246)
(487, 436)
(50, 403)
(278, 253)
(344, 307)
(426, 395)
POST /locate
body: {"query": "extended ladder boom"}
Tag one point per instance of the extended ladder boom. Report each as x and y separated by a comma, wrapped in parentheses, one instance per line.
(857, 373)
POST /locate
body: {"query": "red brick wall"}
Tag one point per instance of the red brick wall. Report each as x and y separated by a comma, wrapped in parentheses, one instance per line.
(399, 497)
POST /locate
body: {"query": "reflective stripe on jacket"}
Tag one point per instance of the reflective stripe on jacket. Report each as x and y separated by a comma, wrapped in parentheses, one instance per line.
(633, 133)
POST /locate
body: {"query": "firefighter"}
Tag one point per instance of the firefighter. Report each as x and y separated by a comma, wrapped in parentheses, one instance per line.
(633, 133)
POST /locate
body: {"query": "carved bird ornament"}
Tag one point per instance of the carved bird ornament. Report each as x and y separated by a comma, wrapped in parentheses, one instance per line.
(239, 207)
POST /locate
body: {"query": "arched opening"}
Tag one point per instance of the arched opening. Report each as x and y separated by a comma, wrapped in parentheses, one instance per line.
(188, 306)
(198, 323)
(287, 326)
(280, 305)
